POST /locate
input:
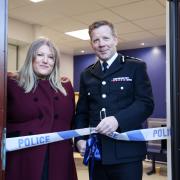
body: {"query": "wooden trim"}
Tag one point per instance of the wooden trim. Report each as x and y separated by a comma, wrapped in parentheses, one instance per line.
(76, 94)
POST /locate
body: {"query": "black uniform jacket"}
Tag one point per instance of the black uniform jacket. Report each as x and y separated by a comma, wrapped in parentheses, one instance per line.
(125, 92)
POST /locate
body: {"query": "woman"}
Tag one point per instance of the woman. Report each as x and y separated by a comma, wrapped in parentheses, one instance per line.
(40, 102)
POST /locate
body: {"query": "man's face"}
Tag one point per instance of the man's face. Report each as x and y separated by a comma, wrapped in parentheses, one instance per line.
(104, 42)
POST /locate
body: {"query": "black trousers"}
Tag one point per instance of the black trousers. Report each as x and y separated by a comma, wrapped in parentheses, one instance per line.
(124, 171)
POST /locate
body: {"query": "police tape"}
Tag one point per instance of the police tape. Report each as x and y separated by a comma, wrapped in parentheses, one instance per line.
(17, 143)
(22, 142)
(143, 134)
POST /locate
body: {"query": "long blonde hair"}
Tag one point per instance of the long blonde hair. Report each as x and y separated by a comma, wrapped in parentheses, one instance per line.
(28, 80)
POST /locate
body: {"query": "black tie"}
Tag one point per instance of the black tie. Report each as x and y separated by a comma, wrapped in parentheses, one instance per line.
(105, 64)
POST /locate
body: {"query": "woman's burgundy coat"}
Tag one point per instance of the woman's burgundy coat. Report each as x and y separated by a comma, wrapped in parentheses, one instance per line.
(41, 111)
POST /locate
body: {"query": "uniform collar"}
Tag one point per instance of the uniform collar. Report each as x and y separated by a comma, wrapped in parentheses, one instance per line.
(96, 69)
(109, 61)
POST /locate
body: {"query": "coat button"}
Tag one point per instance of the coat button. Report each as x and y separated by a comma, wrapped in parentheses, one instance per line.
(40, 116)
(103, 83)
(121, 87)
(89, 93)
(56, 116)
(104, 96)
(56, 98)
(35, 99)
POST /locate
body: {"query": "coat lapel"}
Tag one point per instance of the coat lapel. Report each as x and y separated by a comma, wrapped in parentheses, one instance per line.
(115, 66)
(96, 70)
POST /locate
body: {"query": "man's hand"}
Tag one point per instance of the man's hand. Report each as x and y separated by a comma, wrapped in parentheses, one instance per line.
(81, 145)
(107, 125)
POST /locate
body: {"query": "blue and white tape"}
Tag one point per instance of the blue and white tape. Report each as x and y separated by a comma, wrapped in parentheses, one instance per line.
(22, 142)
(143, 134)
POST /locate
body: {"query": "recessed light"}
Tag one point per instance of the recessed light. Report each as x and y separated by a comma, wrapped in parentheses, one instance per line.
(36, 1)
(142, 44)
(42, 37)
(80, 34)
(155, 50)
(82, 51)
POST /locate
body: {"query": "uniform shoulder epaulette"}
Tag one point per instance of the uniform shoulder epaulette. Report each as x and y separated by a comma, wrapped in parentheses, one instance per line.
(134, 58)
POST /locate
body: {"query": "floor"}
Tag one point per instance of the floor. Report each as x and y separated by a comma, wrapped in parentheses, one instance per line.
(161, 170)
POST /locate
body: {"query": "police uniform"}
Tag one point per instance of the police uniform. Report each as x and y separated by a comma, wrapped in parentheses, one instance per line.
(124, 90)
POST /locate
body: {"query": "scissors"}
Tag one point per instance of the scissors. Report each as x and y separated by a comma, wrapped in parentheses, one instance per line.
(102, 113)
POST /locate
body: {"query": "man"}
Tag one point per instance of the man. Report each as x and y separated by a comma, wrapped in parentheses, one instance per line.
(119, 86)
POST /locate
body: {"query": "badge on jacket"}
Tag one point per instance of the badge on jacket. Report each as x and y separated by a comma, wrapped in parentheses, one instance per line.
(117, 79)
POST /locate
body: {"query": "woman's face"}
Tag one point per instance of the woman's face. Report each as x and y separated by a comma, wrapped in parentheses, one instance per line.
(43, 62)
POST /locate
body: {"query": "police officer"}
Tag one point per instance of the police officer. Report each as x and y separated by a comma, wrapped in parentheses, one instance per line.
(119, 86)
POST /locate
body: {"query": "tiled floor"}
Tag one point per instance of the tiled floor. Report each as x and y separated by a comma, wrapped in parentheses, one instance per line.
(160, 174)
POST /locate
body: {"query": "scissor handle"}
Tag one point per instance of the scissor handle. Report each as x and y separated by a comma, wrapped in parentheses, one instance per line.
(102, 113)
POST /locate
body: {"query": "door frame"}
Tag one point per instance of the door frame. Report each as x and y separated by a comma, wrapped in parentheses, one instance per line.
(3, 80)
(174, 58)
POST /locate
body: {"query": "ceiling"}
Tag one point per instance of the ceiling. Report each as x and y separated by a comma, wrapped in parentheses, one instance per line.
(136, 21)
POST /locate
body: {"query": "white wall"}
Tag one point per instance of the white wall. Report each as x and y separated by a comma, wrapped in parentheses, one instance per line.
(12, 53)
(19, 31)
(22, 55)
(66, 66)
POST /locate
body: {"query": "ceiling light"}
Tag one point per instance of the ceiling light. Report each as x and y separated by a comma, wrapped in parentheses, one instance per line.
(142, 44)
(82, 51)
(80, 34)
(41, 37)
(36, 1)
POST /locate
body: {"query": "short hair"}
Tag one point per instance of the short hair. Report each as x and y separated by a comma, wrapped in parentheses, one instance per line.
(98, 24)
(28, 80)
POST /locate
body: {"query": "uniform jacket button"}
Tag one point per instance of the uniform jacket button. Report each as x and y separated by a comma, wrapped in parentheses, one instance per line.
(103, 83)
(104, 96)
